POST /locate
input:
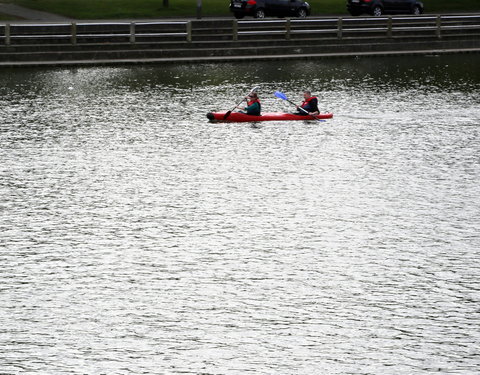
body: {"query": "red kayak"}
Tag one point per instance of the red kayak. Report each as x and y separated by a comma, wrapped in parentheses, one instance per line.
(277, 116)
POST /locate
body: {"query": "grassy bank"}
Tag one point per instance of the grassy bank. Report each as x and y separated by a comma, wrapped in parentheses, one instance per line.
(98, 9)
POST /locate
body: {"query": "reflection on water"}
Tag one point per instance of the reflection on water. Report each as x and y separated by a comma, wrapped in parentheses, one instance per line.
(138, 238)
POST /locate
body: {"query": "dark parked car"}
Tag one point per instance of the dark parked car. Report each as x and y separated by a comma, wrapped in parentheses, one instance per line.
(379, 7)
(262, 8)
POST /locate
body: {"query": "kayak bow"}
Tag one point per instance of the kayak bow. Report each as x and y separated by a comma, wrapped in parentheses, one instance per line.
(276, 116)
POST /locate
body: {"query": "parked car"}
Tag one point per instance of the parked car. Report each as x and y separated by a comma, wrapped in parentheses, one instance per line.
(379, 7)
(263, 8)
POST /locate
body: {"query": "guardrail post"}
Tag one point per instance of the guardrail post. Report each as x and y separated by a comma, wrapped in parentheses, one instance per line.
(340, 28)
(389, 27)
(235, 30)
(73, 36)
(189, 31)
(7, 34)
(288, 29)
(132, 32)
(439, 27)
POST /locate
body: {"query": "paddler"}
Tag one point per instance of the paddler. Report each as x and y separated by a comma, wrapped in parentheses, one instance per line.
(310, 105)
(253, 107)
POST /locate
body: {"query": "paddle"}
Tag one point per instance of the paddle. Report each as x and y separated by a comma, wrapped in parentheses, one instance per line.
(282, 96)
(225, 116)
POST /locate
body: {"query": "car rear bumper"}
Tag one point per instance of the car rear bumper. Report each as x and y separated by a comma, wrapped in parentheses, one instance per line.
(244, 10)
(358, 7)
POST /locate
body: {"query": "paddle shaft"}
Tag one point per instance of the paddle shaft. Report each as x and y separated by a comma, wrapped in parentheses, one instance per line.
(316, 118)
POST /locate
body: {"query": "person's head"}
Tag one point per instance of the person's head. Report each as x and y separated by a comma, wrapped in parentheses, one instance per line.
(307, 94)
(253, 96)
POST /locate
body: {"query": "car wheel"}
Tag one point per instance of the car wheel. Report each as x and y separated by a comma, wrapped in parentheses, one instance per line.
(259, 13)
(416, 10)
(377, 11)
(239, 15)
(302, 13)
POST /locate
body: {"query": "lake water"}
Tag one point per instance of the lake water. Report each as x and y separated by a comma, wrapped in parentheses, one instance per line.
(137, 238)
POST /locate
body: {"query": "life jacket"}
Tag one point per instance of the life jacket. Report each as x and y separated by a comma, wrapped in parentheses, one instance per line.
(250, 102)
(306, 104)
(253, 101)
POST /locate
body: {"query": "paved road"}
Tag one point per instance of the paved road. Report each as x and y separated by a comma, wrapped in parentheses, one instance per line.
(29, 14)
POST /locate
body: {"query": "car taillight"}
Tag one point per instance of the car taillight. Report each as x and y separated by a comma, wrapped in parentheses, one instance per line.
(251, 2)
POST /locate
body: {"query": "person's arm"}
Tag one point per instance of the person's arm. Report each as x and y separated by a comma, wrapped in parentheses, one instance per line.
(243, 108)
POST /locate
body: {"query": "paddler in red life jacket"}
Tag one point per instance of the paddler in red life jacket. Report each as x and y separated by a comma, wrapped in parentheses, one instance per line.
(253, 107)
(310, 104)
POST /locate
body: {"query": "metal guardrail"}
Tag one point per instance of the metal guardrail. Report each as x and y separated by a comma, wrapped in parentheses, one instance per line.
(387, 26)
(85, 32)
(341, 27)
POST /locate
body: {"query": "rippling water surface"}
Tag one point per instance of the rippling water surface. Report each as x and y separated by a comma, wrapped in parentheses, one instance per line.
(137, 238)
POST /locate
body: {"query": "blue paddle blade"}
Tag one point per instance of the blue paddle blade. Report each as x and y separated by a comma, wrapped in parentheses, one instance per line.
(280, 95)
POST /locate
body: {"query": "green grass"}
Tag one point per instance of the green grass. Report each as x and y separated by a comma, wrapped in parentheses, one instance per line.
(95, 9)
(442, 6)
(103, 9)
